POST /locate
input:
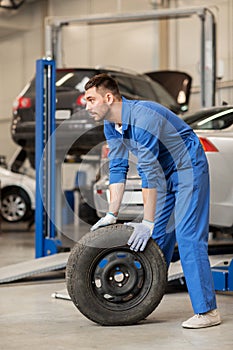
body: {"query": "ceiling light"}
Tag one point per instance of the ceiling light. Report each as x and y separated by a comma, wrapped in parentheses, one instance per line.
(11, 4)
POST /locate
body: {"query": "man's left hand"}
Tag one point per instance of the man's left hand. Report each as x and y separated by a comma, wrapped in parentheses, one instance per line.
(140, 236)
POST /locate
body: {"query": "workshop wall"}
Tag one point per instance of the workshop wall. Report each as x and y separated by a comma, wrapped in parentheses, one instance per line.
(143, 46)
(128, 45)
(21, 43)
(184, 48)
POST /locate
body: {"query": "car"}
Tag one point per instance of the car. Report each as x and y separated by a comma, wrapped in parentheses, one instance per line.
(77, 132)
(214, 127)
(17, 195)
(132, 203)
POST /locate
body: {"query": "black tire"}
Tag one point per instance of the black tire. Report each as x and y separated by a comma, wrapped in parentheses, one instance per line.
(15, 205)
(112, 285)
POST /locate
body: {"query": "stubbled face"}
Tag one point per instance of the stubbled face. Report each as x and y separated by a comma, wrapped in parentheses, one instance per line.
(97, 105)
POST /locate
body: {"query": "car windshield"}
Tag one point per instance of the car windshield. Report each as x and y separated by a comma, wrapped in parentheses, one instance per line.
(216, 119)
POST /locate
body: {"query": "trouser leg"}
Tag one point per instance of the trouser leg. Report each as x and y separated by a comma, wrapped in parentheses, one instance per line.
(192, 229)
(164, 231)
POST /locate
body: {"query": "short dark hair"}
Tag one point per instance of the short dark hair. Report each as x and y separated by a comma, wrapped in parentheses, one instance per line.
(105, 82)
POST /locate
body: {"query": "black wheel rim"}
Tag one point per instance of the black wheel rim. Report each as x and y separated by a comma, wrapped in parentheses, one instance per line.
(120, 278)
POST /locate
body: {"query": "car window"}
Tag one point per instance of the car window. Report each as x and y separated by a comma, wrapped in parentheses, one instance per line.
(140, 87)
(134, 86)
(162, 95)
(143, 88)
(217, 121)
(124, 83)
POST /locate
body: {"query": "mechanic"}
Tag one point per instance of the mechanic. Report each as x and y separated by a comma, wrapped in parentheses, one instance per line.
(175, 185)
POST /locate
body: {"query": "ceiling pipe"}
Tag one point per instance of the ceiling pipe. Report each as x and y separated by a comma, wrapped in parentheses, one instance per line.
(53, 26)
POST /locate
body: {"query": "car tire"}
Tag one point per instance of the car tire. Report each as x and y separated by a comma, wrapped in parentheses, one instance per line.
(112, 285)
(15, 205)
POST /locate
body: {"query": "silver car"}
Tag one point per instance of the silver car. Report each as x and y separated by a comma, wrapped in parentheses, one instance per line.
(17, 190)
(214, 126)
(132, 203)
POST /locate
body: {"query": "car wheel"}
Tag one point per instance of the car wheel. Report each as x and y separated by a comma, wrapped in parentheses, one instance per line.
(15, 205)
(112, 285)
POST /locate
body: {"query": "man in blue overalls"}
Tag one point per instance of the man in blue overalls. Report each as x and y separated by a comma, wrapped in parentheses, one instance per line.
(175, 185)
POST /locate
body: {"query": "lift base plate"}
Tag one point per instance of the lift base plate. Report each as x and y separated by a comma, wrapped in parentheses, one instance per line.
(30, 268)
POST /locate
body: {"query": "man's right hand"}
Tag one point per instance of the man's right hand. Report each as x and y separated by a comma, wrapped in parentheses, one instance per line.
(108, 219)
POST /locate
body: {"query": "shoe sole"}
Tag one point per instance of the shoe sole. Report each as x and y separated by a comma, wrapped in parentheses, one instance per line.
(204, 326)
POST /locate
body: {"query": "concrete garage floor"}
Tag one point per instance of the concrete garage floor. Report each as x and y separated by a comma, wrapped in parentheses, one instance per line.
(31, 319)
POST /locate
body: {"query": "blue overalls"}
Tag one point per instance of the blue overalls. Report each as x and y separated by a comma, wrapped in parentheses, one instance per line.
(170, 159)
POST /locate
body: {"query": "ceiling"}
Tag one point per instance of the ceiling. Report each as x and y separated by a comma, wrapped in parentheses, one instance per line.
(9, 24)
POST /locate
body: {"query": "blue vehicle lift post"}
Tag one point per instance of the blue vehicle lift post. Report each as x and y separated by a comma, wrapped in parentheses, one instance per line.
(223, 277)
(46, 242)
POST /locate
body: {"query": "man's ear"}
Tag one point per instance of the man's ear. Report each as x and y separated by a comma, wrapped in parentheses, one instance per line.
(109, 98)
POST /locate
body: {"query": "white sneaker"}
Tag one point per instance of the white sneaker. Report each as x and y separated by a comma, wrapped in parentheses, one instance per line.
(209, 319)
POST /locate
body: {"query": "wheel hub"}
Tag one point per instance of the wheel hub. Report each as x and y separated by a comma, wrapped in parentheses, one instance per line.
(13, 207)
(118, 276)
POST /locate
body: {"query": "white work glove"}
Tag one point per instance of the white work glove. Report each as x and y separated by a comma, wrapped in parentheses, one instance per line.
(141, 234)
(108, 219)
